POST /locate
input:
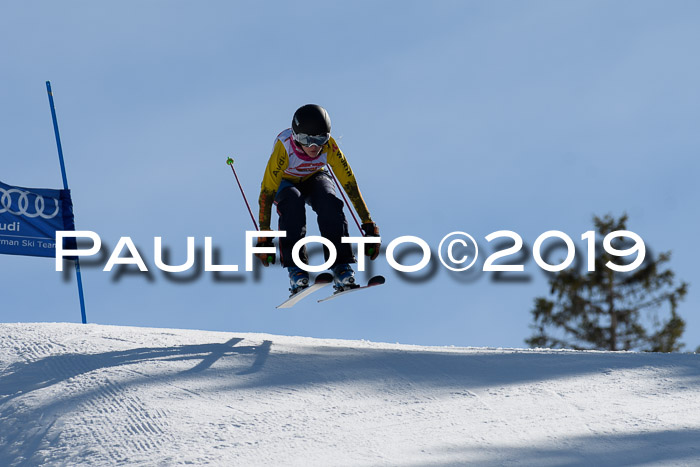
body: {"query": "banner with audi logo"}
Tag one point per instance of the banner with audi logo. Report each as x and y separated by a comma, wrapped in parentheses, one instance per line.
(30, 217)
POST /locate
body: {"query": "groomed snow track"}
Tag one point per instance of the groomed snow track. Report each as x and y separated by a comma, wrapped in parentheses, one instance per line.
(87, 394)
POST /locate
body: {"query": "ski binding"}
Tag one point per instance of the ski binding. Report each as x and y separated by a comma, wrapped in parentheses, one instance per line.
(321, 281)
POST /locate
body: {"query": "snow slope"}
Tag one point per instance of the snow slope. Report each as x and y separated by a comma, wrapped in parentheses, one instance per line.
(76, 394)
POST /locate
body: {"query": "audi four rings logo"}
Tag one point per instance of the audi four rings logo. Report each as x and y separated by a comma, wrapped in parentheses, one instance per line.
(23, 204)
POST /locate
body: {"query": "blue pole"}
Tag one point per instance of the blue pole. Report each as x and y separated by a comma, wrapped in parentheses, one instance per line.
(65, 187)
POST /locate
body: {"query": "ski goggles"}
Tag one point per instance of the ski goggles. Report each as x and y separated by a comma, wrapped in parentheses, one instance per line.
(311, 140)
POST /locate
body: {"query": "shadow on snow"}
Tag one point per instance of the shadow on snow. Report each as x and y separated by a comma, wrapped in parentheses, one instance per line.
(678, 447)
(468, 369)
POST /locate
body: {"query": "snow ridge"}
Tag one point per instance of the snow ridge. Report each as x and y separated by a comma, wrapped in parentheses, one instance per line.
(104, 395)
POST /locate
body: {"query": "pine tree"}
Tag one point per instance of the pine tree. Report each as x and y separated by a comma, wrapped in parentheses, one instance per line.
(609, 310)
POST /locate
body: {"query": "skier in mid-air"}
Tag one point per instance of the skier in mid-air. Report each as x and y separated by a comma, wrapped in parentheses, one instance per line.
(296, 175)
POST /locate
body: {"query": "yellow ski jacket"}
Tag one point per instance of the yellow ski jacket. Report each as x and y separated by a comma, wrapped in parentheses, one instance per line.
(289, 162)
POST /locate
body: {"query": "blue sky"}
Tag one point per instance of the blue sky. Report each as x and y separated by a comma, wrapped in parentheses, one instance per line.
(471, 116)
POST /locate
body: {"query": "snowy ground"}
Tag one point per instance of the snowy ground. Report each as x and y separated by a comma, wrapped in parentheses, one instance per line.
(77, 394)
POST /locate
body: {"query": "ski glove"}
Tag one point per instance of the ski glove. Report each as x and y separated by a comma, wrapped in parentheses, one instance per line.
(371, 249)
(265, 258)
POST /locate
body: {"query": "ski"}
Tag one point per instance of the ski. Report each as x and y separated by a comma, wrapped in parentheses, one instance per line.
(373, 282)
(321, 280)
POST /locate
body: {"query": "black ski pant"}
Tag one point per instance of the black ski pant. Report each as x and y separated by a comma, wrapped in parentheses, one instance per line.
(319, 192)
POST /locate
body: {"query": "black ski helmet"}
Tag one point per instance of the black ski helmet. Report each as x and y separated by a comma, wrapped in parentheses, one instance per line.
(312, 120)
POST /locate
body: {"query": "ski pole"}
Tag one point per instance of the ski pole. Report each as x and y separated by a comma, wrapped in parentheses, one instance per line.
(342, 192)
(229, 161)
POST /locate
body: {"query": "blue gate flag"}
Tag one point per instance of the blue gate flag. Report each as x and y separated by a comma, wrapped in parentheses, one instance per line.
(30, 217)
